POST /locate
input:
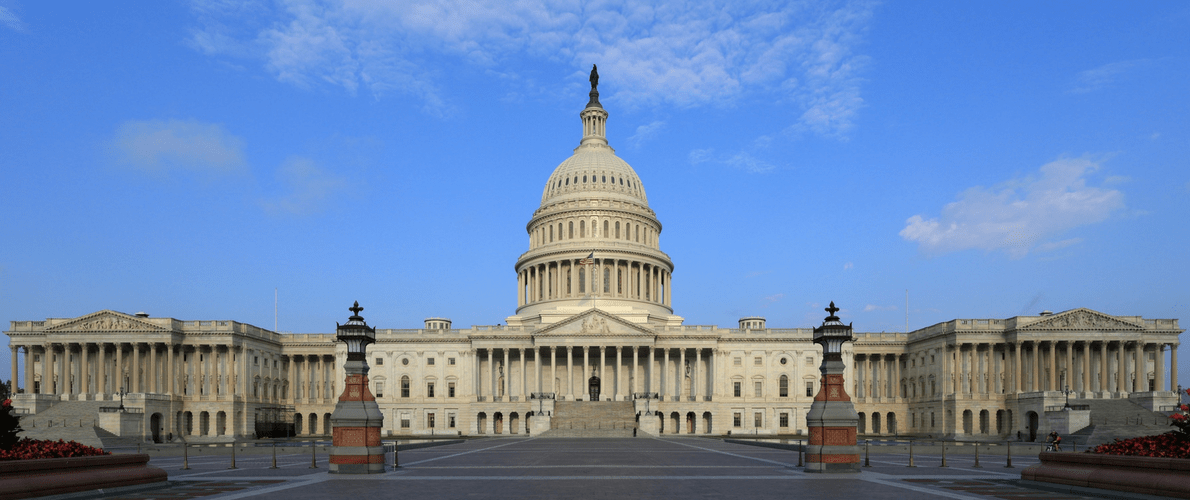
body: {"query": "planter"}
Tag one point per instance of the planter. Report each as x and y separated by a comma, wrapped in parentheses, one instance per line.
(1151, 476)
(55, 476)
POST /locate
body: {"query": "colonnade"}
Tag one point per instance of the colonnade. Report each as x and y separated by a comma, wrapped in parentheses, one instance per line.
(878, 376)
(613, 278)
(102, 370)
(677, 374)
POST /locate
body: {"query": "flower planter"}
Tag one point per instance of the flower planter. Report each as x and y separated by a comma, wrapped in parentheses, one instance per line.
(1152, 476)
(55, 476)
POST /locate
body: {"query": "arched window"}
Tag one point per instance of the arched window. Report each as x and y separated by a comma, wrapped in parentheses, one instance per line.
(551, 233)
(584, 179)
(559, 231)
(605, 179)
(582, 229)
(638, 233)
(617, 230)
(784, 386)
(619, 280)
(567, 181)
(405, 386)
(570, 232)
(648, 288)
(607, 273)
(582, 281)
(605, 232)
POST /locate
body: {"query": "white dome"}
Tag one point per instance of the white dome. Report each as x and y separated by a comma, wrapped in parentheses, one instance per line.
(594, 172)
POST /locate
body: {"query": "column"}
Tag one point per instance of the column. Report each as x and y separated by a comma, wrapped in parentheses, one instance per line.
(1017, 372)
(616, 396)
(896, 381)
(1104, 381)
(524, 376)
(554, 370)
(136, 369)
(570, 373)
(540, 369)
(1069, 366)
(492, 372)
(1035, 384)
(696, 376)
(120, 384)
(681, 372)
(1086, 366)
(586, 370)
(507, 377)
(476, 384)
(1158, 371)
(1053, 366)
(1173, 368)
(714, 358)
(46, 384)
(1120, 367)
(602, 375)
(291, 378)
(86, 370)
(884, 385)
(1138, 371)
(28, 386)
(664, 370)
(14, 378)
(635, 370)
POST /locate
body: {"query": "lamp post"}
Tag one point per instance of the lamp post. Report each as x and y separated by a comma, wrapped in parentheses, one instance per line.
(832, 419)
(1067, 391)
(357, 419)
(122, 393)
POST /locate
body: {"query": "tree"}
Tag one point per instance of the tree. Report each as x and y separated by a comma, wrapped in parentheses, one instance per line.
(10, 424)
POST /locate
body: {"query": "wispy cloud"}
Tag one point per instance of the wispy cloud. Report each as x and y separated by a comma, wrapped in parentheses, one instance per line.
(674, 54)
(871, 307)
(773, 298)
(168, 145)
(1104, 76)
(1019, 214)
(645, 133)
(848, 266)
(10, 20)
(309, 187)
(743, 160)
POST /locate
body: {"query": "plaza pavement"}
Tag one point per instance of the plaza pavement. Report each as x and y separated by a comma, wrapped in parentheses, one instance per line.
(520, 467)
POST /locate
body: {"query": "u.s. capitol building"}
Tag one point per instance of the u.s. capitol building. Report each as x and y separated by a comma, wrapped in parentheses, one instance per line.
(594, 319)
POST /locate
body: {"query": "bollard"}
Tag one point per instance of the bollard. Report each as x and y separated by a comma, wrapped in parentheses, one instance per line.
(313, 462)
(799, 453)
(396, 464)
(911, 455)
(1008, 453)
(137, 444)
(977, 457)
(867, 453)
(274, 455)
(185, 456)
(943, 455)
(233, 456)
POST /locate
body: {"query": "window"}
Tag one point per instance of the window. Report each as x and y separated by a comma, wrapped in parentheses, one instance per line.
(735, 419)
(255, 359)
(784, 360)
(783, 386)
(450, 391)
(617, 230)
(784, 420)
(738, 361)
(809, 389)
(405, 386)
(379, 361)
(430, 361)
(430, 390)
(380, 389)
(430, 420)
(758, 420)
(757, 389)
(736, 387)
(809, 360)
(758, 361)
(570, 231)
(450, 361)
(404, 420)
(405, 361)
(36, 357)
(450, 420)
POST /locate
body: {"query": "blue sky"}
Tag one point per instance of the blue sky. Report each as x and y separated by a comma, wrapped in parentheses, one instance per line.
(994, 159)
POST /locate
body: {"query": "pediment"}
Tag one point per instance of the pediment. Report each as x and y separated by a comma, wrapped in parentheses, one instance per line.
(1082, 319)
(106, 321)
(594, 323)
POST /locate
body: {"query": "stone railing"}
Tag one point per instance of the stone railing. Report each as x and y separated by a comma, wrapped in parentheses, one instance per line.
(1145, 475)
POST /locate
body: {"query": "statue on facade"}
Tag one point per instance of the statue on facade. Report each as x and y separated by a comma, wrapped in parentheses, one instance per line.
(594, 76)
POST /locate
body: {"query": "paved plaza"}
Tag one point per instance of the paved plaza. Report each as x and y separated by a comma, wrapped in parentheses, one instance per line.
(594, 468)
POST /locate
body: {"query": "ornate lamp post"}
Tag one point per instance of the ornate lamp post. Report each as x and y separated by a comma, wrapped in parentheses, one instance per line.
(1067, 391)
(357, 419)
(832, 419)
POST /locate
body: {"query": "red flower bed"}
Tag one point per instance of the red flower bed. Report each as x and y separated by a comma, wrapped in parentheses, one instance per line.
(1169, 445)
(30, 449)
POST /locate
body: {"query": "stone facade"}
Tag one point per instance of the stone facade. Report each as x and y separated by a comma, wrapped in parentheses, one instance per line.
(594, 298)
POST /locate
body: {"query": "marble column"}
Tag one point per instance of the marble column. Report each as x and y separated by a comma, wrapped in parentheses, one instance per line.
(1053, 366)
(84, 349)
(524, 376)
(507, 377)
(1069, 366)
(1173, 368)
(696, 376)
(664, 371)
(28, 385)
(492, 380)
(1017, 372)
(1104, 381)
(681, 372)
(1159, 369)
(616, 396)
(1139, 370)
(586, 371)
(14, 379)
(1120, 367)
(1035, 383)
(602, 375)
(635, 371)
(1086, 366)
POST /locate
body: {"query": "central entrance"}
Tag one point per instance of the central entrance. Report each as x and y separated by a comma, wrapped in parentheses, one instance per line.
(593, 388)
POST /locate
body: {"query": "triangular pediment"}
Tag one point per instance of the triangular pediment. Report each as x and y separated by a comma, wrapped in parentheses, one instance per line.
(1082, 319)
(106, 321)
(594, 323)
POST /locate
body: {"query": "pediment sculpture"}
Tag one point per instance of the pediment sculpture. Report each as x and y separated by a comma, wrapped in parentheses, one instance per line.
(1082, 320)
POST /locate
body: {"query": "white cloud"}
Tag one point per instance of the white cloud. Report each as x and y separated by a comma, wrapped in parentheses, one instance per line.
(742, 160)
(645, 133)
(310, 187)
(681, 54)
(10, 20)
(1018, 214)
(1055, 245)
(167, 145)
(871, 307)
(773, 298)
(848, 266)
(1104, 76)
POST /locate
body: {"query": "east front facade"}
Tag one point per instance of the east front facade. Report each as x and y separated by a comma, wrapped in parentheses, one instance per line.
(594, 331)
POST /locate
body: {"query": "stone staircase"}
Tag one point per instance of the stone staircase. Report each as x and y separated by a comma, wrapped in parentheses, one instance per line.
(1113, 419)
(592, 419)
(67, 420)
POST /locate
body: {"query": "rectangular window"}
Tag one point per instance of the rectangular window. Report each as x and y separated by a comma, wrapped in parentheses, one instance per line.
(255, 359)
(735, 419)
(430, 390)
(756, 386)
(404, 420)
(430, 361)
(430, 420)
(757, 420)
(450, 391)
(450, 361)
(758, 361)
(809, 360)
(784, 420)
(379, 361)
(783, 387)
(380, 389)
(738, 361)
(405, 387)
(809, 389)
(737, 388)
(931, 419)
